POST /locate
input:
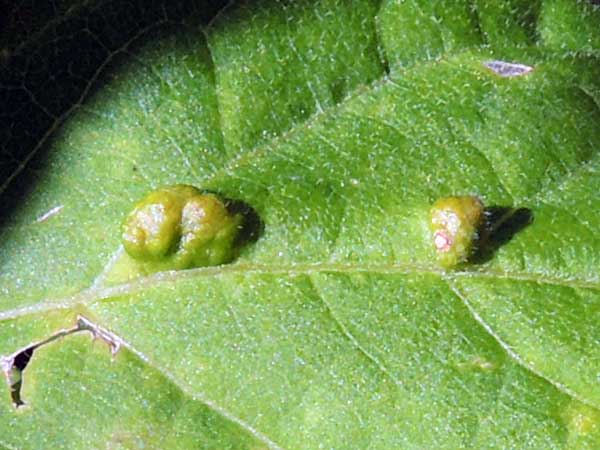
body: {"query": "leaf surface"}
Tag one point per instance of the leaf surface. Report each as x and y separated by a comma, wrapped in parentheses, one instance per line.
(340, 125)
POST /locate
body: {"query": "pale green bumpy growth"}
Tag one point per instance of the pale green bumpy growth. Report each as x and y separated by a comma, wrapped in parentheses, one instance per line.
(179, 227)
(454, 224)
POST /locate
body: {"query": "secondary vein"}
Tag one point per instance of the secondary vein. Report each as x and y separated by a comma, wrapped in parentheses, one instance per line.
(97, 293)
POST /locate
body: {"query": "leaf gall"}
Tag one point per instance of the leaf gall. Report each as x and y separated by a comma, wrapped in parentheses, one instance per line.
(454, 225)
(179, 227)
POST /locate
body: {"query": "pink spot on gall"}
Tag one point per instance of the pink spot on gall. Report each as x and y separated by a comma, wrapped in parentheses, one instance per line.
(442, 241)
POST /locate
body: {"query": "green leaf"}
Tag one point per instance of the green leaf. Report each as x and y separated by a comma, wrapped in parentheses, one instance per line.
(340, 123)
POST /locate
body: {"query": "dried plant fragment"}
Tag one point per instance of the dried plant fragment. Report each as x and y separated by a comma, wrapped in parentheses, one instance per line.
(13, 366)
(508, 69)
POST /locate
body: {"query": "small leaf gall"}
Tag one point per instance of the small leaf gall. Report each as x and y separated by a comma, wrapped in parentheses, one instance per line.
(455, 222)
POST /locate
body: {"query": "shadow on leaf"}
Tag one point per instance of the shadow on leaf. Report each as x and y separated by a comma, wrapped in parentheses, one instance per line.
(500, 225)
(61, 64)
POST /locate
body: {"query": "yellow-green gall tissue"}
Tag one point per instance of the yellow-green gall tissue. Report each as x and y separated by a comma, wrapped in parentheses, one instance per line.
(455, 222)
(179, 227)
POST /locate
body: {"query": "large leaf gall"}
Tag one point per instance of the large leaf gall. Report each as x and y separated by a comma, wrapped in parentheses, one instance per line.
(178, 227)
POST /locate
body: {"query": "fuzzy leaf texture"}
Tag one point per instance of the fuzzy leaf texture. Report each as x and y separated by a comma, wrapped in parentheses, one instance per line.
(340, 123)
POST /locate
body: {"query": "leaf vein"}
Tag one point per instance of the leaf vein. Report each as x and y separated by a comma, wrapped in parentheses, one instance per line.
(99, 293)
(512, 353)
(348, 334)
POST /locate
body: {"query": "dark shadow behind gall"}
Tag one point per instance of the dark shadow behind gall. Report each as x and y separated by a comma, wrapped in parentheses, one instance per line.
(500, 225)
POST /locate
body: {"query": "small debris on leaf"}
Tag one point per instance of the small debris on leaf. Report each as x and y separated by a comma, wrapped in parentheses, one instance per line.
(508, 69)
